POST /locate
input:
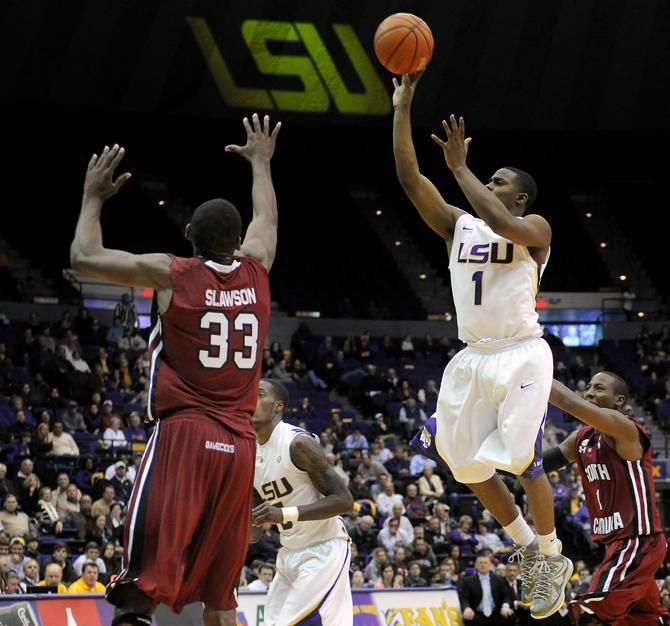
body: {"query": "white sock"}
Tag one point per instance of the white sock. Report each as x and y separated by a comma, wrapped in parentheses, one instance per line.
(520, 532)
(549, 545)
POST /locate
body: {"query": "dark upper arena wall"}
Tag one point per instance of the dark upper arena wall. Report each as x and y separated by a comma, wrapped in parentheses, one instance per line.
(512, 64)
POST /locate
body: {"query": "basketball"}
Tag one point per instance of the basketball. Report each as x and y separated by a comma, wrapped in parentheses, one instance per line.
(403, 43)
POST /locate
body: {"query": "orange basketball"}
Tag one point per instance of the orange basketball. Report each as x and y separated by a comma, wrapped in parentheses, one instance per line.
(403, 43)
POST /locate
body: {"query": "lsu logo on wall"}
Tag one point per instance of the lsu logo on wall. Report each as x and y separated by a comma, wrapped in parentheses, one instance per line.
(323, 86)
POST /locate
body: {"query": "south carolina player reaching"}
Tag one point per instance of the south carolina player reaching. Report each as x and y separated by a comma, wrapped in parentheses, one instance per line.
(613, 454)
(296, 488)
(493, 396)
(188, 523)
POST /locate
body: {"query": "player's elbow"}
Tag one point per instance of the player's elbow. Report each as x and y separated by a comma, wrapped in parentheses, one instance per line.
(77, 258)
(347, 502)
(408, 177)
(82, 263)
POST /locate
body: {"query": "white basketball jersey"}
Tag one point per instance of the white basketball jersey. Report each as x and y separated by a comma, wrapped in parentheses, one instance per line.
(494, 283)
(280, 482)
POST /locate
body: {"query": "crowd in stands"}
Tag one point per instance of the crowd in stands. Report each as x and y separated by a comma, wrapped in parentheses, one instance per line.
(72, 400)
(413, 525)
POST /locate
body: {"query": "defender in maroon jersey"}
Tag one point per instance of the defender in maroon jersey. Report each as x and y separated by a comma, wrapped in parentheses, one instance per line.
(188, 521)
(613, 454)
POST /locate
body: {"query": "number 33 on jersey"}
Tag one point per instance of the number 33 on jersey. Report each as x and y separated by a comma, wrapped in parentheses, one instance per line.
(207, 358)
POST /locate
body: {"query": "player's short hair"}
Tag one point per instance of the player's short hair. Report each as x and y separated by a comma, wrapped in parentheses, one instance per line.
(216, 226)
(526, 183)
(89, 564)
(620, 385)
(279, 392)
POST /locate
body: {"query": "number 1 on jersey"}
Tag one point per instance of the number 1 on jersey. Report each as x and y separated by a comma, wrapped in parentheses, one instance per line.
(478, 278)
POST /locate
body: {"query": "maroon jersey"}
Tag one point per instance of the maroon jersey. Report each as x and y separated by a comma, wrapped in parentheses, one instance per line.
(620, 495)
(207, 348)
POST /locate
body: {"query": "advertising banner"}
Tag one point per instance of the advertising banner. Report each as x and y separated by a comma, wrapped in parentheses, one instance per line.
(55, 610)
(372, 607)
(396, 607)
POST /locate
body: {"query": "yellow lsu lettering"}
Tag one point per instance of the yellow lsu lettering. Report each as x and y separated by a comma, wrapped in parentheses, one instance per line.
(320, 78)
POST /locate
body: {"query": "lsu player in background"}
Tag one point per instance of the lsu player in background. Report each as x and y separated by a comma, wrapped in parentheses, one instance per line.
(296, 488)
(493, 397)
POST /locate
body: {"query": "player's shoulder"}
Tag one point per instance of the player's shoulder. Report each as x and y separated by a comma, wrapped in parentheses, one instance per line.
(298, 435)
(288, 432)
(251, 263)
(643, 433)
(303, 443)
(466, 218)
(184, 261)
(536, 219)
(181, 265)
(583, 436)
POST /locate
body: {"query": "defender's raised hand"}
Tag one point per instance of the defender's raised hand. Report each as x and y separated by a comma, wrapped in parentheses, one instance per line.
(404, 90)
(99, 181)
(456, 147)
(260, 141)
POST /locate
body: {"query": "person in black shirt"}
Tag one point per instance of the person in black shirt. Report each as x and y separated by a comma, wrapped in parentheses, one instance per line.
(360, 490)
(364, 535)
(7, 485)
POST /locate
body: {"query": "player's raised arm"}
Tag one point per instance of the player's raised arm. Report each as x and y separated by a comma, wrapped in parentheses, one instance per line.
(608, 421)
(260, 241)
(87, 253)
(532, 231)
(432, 207)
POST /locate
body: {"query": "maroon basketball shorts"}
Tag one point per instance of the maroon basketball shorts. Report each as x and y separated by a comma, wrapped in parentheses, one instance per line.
(189, 516)
(623, 591)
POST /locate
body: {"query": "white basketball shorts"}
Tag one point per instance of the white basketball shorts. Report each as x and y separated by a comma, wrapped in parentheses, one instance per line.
(491, 408)
(311, 586)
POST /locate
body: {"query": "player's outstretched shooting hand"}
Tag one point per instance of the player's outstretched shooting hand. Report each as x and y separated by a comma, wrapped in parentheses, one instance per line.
(99, 182)
(266, 512)
(455, 148)
(404, 89)
(260, 141)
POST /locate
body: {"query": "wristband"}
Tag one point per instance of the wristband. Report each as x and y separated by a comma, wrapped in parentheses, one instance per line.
(554, 459)
(290, 514)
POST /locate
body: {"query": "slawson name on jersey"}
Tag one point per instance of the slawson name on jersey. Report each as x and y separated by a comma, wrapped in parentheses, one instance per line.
(235, 297)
